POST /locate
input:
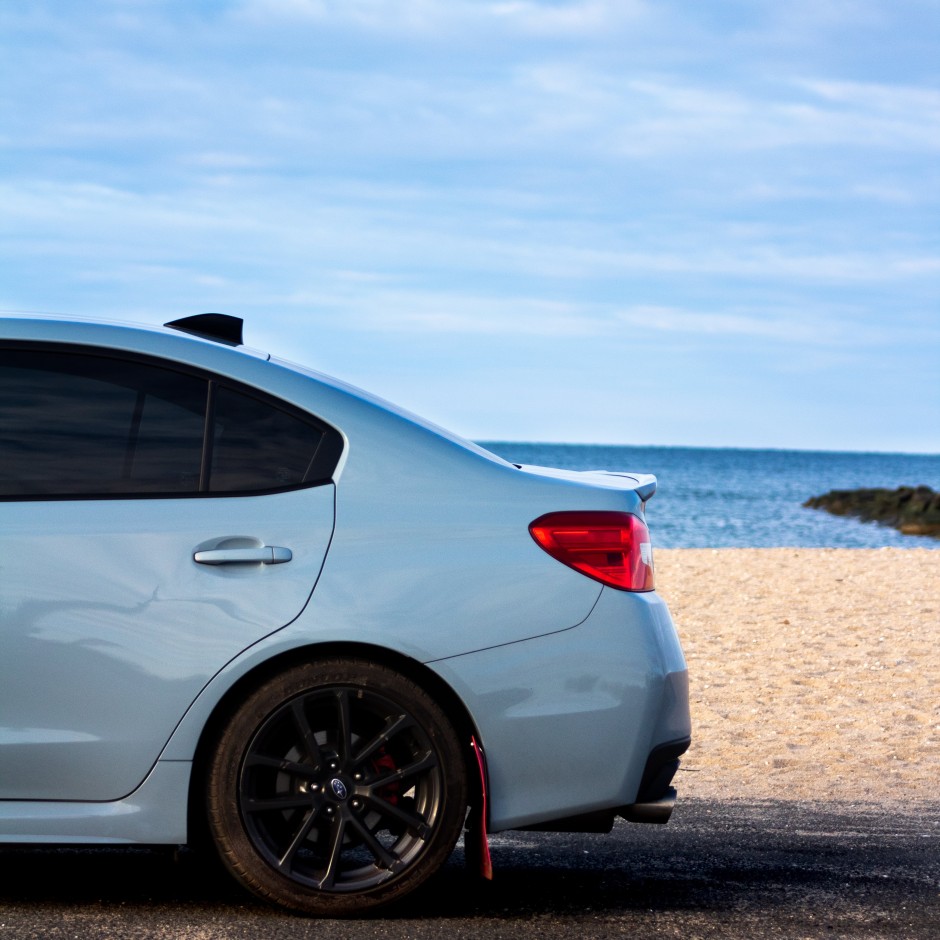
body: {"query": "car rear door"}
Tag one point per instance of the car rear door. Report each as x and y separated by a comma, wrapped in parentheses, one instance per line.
(155, 521)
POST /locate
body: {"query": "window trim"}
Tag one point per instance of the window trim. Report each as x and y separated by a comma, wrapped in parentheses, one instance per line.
(323, 462)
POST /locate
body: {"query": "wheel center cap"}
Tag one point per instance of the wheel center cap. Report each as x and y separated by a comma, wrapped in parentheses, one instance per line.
(339, 788)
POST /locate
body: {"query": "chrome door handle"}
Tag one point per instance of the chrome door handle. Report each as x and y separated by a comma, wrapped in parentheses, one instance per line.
(266, 554)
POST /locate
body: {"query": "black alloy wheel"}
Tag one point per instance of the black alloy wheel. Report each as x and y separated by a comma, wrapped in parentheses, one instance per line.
(336, 787)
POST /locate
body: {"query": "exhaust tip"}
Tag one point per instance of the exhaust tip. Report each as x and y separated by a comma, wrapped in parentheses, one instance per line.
(657, 811)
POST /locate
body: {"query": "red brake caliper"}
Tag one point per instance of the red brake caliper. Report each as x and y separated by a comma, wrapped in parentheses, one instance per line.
(384, 761)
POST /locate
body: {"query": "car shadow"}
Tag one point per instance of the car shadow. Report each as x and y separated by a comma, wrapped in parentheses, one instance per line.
(719, 858)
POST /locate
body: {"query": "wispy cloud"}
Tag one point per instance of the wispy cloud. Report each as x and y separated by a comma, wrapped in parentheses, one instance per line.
(819, 326)
(459, 313)
(278, 224)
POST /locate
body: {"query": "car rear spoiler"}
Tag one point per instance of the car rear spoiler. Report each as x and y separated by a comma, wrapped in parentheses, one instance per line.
(643, 484)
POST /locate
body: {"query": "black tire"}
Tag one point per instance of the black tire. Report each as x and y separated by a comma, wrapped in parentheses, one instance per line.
(336, 787)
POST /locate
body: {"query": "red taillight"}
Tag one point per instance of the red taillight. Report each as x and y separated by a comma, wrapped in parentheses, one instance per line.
(611, 547)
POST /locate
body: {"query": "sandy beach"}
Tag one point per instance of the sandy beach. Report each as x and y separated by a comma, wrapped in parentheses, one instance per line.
(815, 673)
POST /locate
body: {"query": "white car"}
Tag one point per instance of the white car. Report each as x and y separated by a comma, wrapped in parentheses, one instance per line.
(241, 601)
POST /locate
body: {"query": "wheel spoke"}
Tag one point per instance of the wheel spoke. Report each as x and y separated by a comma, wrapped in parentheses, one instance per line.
(344, 743)
(417, 824)
(285, 802)
(427, 762)
(306, 733)
(279, 763)
(382, 855)
(286, 860)
(336, 852)
(392, 727)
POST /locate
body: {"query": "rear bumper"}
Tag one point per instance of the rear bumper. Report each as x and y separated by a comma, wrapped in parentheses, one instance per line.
(578, 725)
(655, 800)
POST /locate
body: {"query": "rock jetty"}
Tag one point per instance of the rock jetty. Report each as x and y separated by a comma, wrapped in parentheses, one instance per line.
(915, 510)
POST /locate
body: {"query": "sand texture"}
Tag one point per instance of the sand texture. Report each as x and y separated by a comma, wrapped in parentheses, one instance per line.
(815, 673)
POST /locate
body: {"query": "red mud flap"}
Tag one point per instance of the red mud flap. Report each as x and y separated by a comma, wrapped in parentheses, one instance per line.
(476, 845)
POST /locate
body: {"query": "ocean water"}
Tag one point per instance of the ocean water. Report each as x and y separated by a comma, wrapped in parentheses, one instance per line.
(736, 498)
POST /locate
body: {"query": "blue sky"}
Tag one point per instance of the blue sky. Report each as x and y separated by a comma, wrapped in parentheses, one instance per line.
(691, 223)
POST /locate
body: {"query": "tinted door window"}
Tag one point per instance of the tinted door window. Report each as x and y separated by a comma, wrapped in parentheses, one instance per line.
(90, 425)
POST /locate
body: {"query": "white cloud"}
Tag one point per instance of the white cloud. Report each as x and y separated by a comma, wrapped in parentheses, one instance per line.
(574, 18)
(221, 160)
(887, 192)
(791, 328)
(879, 97)
(382, 309)
(660, 117)
(587, 18)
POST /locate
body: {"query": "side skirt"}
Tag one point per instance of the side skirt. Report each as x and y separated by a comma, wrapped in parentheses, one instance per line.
(154, 814)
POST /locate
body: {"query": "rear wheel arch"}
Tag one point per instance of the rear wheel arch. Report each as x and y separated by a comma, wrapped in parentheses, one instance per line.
(439, 690)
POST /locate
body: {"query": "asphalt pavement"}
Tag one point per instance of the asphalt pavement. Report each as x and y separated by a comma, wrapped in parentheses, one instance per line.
(719, 869)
